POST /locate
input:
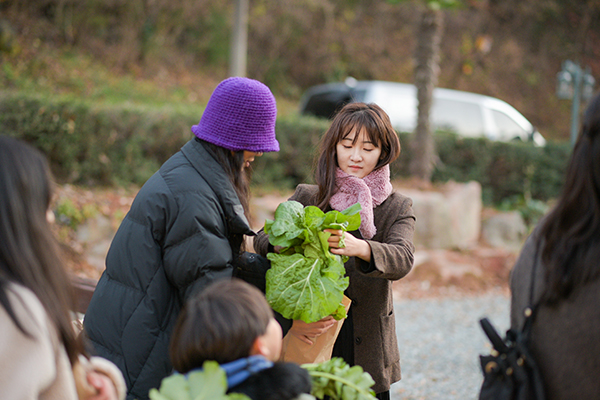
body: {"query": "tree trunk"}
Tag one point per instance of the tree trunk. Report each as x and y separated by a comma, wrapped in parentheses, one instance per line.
(239, 39)
(426, 77)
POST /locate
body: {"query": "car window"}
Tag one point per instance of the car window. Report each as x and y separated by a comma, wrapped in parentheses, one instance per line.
(507, 128)
(325, 104)
(461, 117)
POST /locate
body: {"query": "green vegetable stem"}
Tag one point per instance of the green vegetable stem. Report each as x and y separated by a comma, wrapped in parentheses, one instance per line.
(336, 379)
(306, 281)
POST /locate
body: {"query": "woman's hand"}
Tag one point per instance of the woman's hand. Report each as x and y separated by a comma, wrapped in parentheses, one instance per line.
(308, 332)
(104, 386)
(354, 247)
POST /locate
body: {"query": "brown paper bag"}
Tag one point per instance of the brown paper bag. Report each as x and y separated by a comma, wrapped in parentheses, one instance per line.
(295, 350)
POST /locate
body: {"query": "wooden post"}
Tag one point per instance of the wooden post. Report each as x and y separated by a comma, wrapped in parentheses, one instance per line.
(239, 39)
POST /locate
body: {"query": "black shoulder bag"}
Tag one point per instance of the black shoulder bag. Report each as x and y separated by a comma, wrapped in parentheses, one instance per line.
(510, 372)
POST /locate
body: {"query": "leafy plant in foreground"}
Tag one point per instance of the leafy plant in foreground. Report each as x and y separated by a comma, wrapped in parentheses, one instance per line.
(339, 381)
(210, 383)
(333, 378)
(306, 281)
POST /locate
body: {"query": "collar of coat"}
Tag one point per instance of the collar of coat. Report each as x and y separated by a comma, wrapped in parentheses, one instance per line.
(215, 176)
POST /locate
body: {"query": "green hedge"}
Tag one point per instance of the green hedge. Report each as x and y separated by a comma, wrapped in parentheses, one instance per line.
(119, 145)
(96, 145)
(504, 169)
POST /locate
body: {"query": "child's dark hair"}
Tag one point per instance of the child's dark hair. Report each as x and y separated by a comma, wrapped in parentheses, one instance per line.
(221, 324)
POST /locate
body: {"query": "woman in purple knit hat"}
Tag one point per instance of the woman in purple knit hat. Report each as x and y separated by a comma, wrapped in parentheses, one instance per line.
(185, 230)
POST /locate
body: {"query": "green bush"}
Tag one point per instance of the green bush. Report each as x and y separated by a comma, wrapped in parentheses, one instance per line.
(504, 169)
(298, 141)
(119, 145)
(96, 145)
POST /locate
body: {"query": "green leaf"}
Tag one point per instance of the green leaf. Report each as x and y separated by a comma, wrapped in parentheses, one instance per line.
(346, 220)
(304, 288)
(210, 383)
(174, 387)
(336, 379)
(289, 220)
(306, 281)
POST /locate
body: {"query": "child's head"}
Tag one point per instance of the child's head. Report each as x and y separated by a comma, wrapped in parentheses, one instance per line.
(228, 320)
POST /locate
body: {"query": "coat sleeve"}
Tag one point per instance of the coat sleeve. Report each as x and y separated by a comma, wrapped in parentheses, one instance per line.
(196, 250)
(392, 256)
(261, 243)
(39, 365)
(520, 280)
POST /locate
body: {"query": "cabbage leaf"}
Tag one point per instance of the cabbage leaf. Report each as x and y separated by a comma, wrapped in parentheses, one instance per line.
(306, 281)
(336, 379)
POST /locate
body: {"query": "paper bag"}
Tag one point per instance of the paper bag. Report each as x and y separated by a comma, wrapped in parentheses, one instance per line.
(299, 352)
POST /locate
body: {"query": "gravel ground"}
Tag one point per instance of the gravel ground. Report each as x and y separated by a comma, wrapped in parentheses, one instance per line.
(440, 341)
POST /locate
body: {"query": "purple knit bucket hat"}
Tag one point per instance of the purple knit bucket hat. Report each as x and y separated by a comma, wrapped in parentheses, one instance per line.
(240, 115)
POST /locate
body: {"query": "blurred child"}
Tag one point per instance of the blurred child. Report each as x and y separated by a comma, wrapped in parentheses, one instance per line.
(231, 323)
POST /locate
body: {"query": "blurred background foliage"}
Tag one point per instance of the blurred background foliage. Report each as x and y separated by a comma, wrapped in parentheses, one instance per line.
(109, 88)
(177, 50)
(107, 145)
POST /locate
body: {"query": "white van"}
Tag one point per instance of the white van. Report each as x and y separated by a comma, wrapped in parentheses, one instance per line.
(467, 114)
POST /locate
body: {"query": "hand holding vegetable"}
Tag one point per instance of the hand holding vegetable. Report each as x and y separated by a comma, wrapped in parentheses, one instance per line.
(307, 281)
(308, 332)
(345, 244)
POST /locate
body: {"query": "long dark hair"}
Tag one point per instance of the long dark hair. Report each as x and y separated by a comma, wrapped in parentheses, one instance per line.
(220, 323)
(233, 164)
(353, 116)
(571, 231)
(29, 253)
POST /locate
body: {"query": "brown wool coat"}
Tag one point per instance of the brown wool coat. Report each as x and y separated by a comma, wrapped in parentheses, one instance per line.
(566, 338)
(375, 340)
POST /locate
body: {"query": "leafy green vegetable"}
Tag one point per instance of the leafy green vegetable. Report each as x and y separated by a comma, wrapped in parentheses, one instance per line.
(208, 384)
(339, 381)
(306, 281)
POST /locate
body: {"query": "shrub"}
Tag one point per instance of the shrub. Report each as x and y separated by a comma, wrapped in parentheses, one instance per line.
(504, 169)
(92, 144)
(298, 141)
(118, 145)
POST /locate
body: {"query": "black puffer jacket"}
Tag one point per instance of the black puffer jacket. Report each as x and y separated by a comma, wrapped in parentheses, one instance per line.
(183, 231)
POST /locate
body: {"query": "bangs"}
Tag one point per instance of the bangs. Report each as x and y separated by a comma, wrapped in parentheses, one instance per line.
(359, 121)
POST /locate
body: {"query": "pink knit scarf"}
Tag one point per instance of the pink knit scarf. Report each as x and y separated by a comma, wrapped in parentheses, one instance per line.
(370, 191)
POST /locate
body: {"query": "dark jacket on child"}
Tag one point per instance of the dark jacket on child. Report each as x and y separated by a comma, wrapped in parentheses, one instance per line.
(183, 231)
(283, 381)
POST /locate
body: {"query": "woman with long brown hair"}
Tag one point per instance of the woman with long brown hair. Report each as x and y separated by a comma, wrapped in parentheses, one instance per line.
(39, 346)
(565, 251)
(353, 166)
